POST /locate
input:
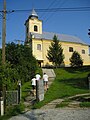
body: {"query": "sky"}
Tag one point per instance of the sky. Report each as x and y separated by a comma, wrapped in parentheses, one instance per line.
(75, 23)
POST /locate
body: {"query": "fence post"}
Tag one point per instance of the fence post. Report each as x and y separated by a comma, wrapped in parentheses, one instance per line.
(4, 97)
(37, 90)
(19, 91)
(1, 106)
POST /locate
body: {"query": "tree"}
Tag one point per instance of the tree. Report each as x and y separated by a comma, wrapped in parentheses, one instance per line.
(55, 52)
(8, 76)
(21, 58)
(76, 60)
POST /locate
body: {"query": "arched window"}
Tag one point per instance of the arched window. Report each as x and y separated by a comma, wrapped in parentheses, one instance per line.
(70, 49)
(35, 28)
(83, 51)
(38, 46)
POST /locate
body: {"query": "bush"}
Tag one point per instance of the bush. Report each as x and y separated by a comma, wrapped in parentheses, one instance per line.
(14, 110)
(76, 60)
(8, 76)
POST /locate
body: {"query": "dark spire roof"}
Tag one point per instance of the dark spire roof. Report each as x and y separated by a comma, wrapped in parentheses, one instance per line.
(33, 14)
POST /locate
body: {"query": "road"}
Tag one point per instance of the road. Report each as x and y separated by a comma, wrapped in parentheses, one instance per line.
(55, 114)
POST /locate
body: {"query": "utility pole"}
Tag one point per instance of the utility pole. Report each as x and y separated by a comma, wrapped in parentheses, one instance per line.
(4, 32)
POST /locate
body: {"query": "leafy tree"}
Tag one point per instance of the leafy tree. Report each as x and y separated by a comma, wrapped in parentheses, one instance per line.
(8, 76)
(21, 58)
(76, 60)
(55, 52)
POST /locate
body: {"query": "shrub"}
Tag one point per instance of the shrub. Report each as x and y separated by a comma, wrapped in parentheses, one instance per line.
(76, 60)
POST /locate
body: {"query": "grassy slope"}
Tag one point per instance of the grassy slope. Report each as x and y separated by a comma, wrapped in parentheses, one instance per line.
(68, 82)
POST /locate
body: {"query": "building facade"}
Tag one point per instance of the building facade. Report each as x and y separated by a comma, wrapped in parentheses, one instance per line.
(40, 41)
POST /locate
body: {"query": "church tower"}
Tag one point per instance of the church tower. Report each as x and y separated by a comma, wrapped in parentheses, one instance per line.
(33, 25)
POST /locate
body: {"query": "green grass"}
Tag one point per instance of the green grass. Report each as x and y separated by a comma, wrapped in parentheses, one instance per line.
(85, 104)
(25, 89)
(62, 104)
(12, 111)
(68, 82)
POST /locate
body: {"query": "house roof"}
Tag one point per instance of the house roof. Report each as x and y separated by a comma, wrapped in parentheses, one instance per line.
(61, 37)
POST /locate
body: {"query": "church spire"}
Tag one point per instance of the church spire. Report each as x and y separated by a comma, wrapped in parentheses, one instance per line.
(33, 14)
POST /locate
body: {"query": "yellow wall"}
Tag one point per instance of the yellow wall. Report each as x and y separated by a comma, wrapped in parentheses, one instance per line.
(78, 48)
(41, 54)
(36, 22)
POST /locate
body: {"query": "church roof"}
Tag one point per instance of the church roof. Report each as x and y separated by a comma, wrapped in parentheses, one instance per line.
(33, 14)
(61, 37)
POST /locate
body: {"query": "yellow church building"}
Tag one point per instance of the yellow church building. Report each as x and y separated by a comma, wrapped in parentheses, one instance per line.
(40, 41)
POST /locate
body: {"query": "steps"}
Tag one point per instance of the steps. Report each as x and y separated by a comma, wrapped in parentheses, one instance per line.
(50, 73)
(30, 99)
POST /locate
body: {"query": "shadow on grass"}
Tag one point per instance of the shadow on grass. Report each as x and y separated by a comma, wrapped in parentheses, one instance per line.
(81, 83)
(77, 69)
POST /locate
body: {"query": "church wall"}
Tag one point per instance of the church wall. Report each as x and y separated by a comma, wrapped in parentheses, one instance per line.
(41, 54)
(37, 53)
(78, 48)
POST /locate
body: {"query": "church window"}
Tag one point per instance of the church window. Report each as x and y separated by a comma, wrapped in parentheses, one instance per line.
(35, 28)
(83, 51)
(70, 49)
(38, 46)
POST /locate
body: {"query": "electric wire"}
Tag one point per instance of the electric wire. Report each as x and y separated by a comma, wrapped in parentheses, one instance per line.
(49, 7)
(51, 15)
(52, 9)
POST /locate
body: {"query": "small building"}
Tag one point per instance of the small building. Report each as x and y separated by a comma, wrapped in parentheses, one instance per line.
(40, 41)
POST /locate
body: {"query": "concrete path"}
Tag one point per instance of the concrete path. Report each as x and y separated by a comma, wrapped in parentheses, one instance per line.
(50, 73)
(55, 114)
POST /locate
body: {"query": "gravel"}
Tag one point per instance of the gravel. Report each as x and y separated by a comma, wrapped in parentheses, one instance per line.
(55, 114)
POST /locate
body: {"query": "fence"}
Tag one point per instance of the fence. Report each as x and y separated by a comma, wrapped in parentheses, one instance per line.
(12, 97)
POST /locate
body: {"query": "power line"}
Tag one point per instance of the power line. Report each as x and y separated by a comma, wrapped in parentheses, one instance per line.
(50, 6)
(51, 9)
(54, 14)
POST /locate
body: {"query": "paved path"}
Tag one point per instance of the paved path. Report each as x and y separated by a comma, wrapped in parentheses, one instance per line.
(55, 114)
(50, 73)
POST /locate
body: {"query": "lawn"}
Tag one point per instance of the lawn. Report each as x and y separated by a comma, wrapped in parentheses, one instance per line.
(68, 82)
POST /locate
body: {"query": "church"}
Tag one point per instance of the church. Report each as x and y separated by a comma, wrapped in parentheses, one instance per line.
(40, 41)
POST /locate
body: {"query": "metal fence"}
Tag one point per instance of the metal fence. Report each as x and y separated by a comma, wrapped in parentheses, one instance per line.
(12, 97)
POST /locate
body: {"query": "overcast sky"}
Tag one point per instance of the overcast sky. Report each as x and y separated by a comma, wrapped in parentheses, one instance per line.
(74, 23)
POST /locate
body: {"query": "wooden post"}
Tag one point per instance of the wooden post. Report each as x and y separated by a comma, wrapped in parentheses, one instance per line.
(4, 33)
